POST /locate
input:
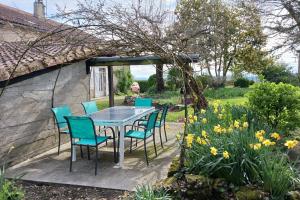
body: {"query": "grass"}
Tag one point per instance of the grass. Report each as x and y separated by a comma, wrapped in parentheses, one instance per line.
(233, 96)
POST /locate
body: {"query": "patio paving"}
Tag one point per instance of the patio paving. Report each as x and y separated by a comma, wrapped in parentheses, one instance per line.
(51, 168)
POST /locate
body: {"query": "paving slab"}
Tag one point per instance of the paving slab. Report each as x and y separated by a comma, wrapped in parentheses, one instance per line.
(52, 168)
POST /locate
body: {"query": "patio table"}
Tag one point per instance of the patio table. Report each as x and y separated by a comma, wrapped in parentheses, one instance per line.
(119, 117)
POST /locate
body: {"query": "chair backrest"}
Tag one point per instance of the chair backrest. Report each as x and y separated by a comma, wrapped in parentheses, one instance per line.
(151, 121)
(59, 113)
(90, 107)
(143, 102)
(164, 113)
(81, 127)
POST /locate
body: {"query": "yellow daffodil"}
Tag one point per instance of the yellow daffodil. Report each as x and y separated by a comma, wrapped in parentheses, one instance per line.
(245, 125)
(236, 124)
(224, 130)
(223, 110)
(216, 110)
(204, 133)
(261, 139)
(202, 111)
(178, 136)
(251, 146)
(213, 151)
(195, 118)
(191, 121)
(272, 143)
(204, 120)
(290, 144)
(218, 129)
(276, 136)
(259, 134)
(201, 141)
(220, 116)
(267, 142)
(229, 130)
(257, 146)
(189, 140)
(225, 154)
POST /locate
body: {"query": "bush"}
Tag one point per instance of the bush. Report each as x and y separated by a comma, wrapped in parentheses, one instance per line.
(204, 81)
(152, 81)
(276, 104)
(226, 142)
(174, 79)
(241, 82)
(279, 73)
(143, 86)
(124, 81)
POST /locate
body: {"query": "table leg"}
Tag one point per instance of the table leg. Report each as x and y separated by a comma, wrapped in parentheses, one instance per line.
(121, 146)
(74, 151)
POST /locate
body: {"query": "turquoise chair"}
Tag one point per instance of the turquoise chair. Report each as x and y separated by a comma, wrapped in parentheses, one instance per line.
(143, 102)
(61, 123)
(90, 107)
(160, 123)
(83, 133)
(149, 130)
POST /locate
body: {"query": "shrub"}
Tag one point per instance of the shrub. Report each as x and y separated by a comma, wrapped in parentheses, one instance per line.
(152, 81)
(279, 73)
(143, 86)
(225, 142)
(124, 80)
(204, 80)
(174, 79)
(276, 104)
(241, 82)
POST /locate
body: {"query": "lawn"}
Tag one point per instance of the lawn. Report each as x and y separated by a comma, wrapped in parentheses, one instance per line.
(233, 96)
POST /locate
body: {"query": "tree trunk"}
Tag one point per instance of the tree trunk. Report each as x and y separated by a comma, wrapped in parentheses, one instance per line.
(159, 78)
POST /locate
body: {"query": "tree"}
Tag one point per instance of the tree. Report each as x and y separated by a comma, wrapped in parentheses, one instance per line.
(160, 86)
(233, 32)
(283, 21)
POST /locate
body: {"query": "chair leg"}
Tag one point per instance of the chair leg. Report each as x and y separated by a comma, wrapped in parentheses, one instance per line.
(88, 150)
(81, 152)
(154, 144)
(130, 145)
(146, 156)
(161, 142)
(165, 132)
(71, 158)
(105, 133)
(136, 142)
(58, 143)
(96, 160)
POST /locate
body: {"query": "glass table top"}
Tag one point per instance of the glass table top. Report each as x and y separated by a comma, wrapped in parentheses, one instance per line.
(120, 113)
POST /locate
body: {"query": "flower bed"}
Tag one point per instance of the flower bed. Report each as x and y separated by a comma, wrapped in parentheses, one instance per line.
(227, 142)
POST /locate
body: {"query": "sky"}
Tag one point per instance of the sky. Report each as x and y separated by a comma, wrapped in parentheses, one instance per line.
(139, 72)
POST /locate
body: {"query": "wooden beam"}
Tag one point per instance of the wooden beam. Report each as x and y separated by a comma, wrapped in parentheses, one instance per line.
(111, 86)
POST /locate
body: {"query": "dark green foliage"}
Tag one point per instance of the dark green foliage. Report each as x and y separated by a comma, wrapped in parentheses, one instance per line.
(279, 73)
(124, 81)
(152, 80)
(204, 81)
(242, 82)
(225, 93)
(174, 79)
(276, 104)
(148, 193)
(8, 190)
(143, 86)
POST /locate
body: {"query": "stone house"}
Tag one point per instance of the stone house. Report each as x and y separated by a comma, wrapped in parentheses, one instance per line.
(33, 80)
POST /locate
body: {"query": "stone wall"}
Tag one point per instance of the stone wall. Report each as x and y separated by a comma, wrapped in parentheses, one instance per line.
(27, 123)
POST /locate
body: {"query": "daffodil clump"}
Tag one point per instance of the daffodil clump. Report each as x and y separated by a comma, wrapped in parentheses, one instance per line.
(224, 142)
